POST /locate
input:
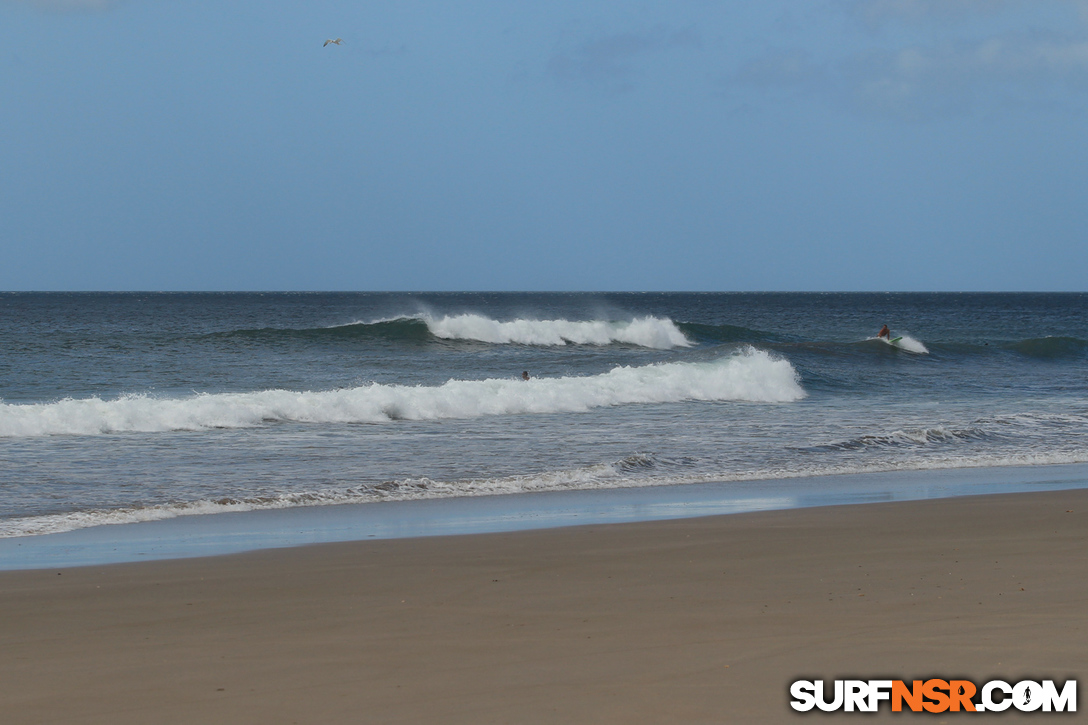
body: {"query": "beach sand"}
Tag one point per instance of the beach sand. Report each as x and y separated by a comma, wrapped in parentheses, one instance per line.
(702, 620)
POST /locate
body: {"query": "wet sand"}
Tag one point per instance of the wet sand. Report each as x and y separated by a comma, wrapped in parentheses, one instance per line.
(698, 620)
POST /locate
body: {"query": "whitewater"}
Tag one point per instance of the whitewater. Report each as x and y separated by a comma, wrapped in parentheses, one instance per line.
(120, 408)
(750, 375)
(650, 332)
(645, 331)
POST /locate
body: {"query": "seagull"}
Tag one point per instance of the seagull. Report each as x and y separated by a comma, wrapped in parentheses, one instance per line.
(338, 41)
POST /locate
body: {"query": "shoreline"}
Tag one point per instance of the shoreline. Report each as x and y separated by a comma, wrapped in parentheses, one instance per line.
(235, 532)
(688, 620)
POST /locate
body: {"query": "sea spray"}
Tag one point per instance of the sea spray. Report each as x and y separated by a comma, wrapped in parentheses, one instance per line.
(651, 332)
(910, 344)
(1005, 385)
(748, 375)
(905, 343)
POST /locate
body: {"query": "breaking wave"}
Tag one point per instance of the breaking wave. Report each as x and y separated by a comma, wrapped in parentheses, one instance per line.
(748, 375)
(651, 332)
(906, 343)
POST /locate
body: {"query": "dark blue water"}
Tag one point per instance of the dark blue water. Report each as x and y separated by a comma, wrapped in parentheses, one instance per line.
(125, 407)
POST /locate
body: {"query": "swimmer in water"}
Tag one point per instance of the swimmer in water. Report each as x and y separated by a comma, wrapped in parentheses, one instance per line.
(525, 375)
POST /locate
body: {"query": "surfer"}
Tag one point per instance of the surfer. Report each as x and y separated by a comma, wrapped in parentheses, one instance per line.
(525, 375)
(885, 333)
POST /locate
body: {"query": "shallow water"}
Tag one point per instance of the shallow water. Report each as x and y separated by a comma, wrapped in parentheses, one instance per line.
(131, 407)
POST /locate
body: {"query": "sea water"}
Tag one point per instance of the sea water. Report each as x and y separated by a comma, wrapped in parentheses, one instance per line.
(131, 407)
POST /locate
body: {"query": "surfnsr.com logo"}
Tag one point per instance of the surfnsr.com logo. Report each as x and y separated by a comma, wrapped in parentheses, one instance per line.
(934, 695)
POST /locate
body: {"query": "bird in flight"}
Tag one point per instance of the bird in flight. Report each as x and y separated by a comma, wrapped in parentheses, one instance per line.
(338, 41)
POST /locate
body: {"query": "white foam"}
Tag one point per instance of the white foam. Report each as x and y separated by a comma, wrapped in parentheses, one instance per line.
(599, 476)
(749, 375)
(907, 343)
(652, 332)
(910, 344)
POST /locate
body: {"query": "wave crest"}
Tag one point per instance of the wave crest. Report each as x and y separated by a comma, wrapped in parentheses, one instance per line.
(749, 375)
(906, 343)
(652, 332)
(1022, 425)
(911, 437)
(1051, 348)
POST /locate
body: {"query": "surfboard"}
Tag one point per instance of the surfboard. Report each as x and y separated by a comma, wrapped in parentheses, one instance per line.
(895, 340)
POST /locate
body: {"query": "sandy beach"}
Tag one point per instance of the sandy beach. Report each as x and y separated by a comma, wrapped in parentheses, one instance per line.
(702, 620)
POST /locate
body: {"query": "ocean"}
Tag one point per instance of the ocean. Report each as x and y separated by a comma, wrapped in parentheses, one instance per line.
(127, 407)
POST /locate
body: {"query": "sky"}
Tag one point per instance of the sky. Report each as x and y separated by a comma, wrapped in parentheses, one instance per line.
(825, 145)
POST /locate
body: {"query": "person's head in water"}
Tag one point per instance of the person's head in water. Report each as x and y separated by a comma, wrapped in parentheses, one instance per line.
(525, 375)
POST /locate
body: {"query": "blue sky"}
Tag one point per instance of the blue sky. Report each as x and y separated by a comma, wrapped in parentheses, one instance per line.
(683, 145)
